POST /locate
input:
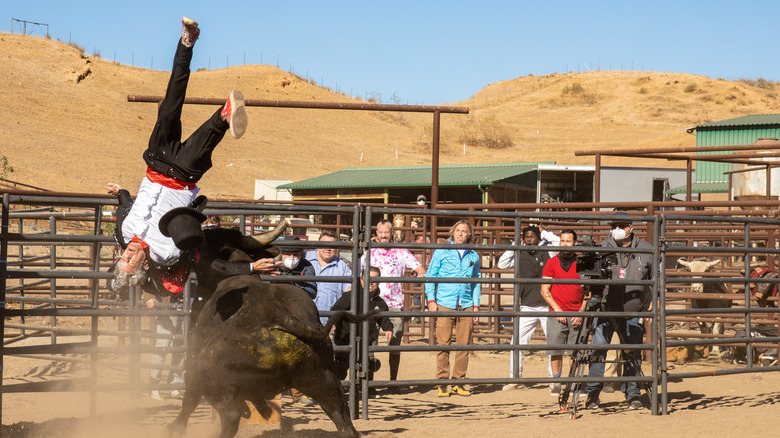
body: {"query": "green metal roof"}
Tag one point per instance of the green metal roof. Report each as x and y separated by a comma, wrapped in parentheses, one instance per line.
(415, 176)
(706, 187)
(744, 121)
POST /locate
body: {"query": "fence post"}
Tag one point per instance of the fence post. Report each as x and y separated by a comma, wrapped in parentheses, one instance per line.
(3, 276)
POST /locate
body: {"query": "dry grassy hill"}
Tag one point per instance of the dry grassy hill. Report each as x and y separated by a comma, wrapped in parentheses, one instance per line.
(66, 125)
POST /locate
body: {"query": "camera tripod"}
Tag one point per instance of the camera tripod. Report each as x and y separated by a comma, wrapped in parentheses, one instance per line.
(582, 357)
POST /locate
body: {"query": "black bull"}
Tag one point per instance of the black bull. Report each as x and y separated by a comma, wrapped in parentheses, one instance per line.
(251, 341)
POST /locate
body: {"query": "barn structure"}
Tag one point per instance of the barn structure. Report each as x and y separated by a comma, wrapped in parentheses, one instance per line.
(713, 177)
(488, 184)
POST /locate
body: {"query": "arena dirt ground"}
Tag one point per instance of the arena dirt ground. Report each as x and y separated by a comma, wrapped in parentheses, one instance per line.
(724, 406)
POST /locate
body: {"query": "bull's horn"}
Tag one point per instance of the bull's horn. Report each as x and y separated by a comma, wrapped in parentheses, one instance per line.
(683, 262)
(265, 239)
(713, 263)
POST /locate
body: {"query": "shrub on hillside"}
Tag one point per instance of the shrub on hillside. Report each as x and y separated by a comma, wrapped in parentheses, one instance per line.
(77, 47)
(485, 132)
(577, 93)
(6, 168)
(690, 88)
(760, 83)
(575, 88)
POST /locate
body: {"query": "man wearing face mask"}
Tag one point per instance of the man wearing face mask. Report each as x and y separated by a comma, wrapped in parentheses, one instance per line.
(622, 298)
(562, 298)
(294, 263)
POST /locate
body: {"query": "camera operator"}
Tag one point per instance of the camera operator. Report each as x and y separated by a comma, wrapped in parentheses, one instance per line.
(622, 298)
(562, 298)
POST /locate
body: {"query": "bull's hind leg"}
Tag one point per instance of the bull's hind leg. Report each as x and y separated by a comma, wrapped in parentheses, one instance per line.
(326, 389)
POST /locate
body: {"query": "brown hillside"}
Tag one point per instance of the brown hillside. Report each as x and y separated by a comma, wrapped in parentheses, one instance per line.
(66, 123)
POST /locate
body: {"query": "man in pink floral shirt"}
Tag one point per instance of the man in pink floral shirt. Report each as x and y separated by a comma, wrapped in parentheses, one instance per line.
(392, 262)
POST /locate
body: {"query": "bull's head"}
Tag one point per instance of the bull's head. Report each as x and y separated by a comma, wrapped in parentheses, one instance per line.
(698, 266)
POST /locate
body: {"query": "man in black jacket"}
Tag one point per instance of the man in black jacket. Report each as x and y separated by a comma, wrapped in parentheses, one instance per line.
(623, 298)
(342, 327)
(294, 263)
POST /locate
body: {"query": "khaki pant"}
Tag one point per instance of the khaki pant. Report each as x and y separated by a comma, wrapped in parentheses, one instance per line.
(614, 369)
(444, 326)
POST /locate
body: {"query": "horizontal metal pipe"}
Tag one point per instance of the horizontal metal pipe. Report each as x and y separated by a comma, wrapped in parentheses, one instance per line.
(85, 348)
(723, 372)
(503, 381)
(309, 105)
(494, 347)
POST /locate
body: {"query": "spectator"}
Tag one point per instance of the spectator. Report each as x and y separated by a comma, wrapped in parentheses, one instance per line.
(327, 263)
(562, 298)
(454, 263)
(622, 298)
(166, 328)
(294, 263)
(211, 222)
(530, 264)
(341, 328)
(393, 262)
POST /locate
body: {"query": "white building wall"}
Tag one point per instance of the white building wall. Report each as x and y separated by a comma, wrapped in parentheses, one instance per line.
(628, 184)
(267, 189)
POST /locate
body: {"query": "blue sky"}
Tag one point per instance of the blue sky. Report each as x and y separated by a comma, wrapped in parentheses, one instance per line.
(424, 52)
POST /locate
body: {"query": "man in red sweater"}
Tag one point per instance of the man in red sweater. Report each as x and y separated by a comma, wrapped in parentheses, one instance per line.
(562, 298)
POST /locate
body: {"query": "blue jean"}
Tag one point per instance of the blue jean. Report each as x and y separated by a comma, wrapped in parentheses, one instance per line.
(634, 333)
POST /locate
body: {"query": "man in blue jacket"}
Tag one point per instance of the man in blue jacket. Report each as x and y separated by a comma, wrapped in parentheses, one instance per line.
(454, 263)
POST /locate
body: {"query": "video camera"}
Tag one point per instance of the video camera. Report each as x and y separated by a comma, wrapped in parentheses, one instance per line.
(596, 265)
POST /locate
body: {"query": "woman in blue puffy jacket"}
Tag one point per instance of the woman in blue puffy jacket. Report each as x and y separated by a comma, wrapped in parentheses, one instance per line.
(454, 263)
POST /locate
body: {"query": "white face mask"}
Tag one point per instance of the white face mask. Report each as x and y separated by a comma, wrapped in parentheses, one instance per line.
(619, 234)
(291, 262)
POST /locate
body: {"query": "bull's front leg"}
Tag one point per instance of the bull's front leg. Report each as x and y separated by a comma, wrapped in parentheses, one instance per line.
(188, 406)
(192, 396)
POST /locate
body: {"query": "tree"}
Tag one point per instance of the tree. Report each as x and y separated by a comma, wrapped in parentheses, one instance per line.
(6, 168)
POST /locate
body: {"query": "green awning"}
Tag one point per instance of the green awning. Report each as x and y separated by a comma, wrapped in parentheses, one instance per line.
(414, 176)
(749, 121)
(701, 187)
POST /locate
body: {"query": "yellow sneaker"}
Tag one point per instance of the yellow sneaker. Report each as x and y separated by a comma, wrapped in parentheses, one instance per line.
(443, 391)
(459, 390)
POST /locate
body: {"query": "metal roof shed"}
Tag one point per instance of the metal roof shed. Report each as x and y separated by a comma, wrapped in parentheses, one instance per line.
(737, 131)
(464, 183)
